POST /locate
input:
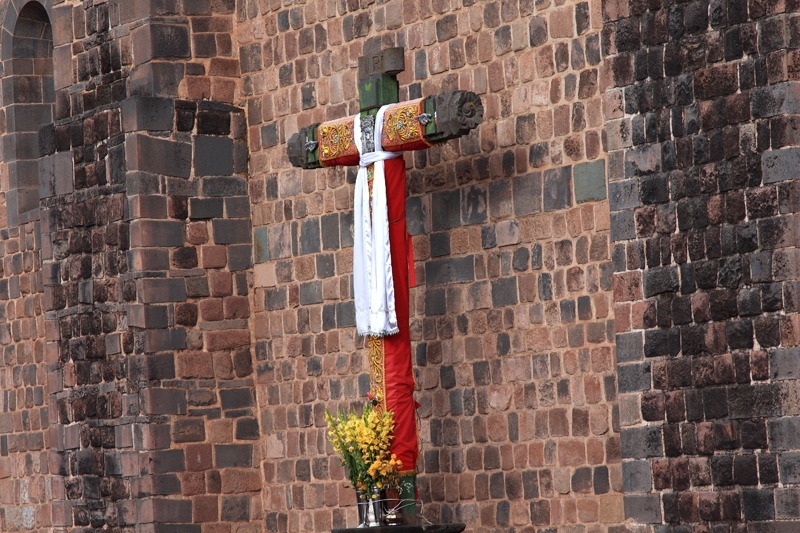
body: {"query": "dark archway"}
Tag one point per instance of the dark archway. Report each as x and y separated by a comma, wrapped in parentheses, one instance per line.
(29, 97)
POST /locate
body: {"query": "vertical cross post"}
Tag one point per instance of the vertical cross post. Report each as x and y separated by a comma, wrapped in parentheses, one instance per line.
(378, 86)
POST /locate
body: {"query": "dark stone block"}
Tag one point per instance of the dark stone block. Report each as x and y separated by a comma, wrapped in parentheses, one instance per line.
(330, 232)
(311, 293)
(527, 193)
(206, 208)
(345, 314)
(633, 377)
(557, 189)
(435, 302)
(141, 113)
(235, 509)
(440, 244)
(758, 504)
(233, 455)
(247, 429)
(236, 398)
(449, 271)
(228, 231)
(504, 292)
(447, 206)
(306, 236)
(240, 257)
(213, 156)
(158, 156)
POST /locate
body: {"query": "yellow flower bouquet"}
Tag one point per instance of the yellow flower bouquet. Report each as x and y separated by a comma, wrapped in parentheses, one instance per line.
(363, 442)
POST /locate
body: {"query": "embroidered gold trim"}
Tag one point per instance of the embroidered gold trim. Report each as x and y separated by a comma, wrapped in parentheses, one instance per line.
(336, 139)
(377, 372)
(401, 124)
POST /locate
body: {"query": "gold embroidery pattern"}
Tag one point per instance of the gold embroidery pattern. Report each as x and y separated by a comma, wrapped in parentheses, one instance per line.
(335, 139)
(376, 372)
(401, 124)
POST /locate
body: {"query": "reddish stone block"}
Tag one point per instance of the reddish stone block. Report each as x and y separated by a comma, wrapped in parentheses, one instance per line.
(220, 283)
(193, 365)
(226, 340)
(206, 509)
(211, 309)
(214, 256)
(236, 307)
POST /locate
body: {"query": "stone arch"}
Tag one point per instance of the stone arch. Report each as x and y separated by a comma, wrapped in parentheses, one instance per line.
(28, 101)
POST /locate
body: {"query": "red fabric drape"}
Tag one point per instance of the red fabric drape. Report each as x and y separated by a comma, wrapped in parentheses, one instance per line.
(399, 376)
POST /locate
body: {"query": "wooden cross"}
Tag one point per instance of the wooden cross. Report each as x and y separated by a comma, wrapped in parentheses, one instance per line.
(411, 125)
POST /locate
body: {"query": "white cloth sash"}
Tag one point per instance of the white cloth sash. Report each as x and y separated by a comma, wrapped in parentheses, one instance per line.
(373, 282)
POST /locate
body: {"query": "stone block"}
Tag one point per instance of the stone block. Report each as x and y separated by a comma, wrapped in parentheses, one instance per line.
(784, 363)
(235, 231)
(261, 244)
(148, 316)
(527, 194)
(447, 206)
(225, 186)
(160, 41)
(233, 455)
(643, 508)
(780, 165)
(778, 99)
(634, 377)
(787, 503)
(235, 508)
(165, 511)
(213, 156)
(641, 442)
(306, 238)
(449, 271)
(147, 206)
(636, 476)
(623, 194)
(557, 188)
(504, 292)
(240, 257)
(161, 290)
(589, 180)
(660, 280)
(158, 156)
(623, 226)
(630, 347)
(56, 175)
(236, 398)
(159, 340)
(142, 113)
(148, 259)
(158, 401)
(330, 231)
(200, 208)
(473, 208)
(238, 207)
(188, 430)
(758, 504)
(784, 433)
(226, 339)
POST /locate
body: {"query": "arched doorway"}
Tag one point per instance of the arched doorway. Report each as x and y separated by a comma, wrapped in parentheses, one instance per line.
(29, 97)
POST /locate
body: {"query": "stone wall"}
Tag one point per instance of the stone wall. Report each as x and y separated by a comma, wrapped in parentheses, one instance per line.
(605, 324)
(512, 320)
(703, 197)
(128, 398)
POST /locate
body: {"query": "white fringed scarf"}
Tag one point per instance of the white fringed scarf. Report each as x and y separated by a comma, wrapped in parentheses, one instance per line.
(373, 283)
